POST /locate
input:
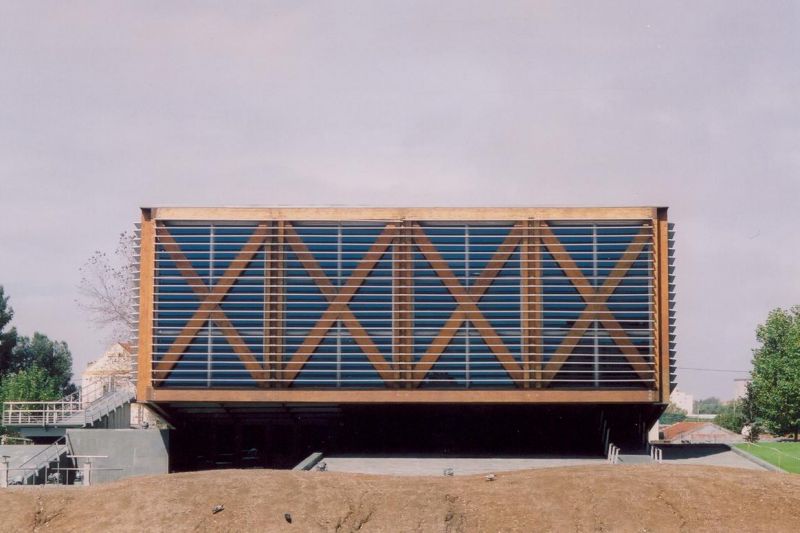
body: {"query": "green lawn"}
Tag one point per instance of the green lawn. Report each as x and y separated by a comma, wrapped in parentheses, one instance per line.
(785, 455)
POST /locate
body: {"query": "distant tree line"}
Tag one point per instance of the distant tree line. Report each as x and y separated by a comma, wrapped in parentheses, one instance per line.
(31, 368)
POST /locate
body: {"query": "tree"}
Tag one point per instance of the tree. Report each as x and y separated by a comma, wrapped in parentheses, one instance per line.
(776, 372)
(51, 357)
(106, 288)
(32, 384)
(672, 415)
(8, 339)
(751, 419)
(731, 416)
(708, 406)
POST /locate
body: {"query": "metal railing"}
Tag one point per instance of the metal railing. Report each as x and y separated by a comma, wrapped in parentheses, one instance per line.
(613, 453)
(38, 463)
(7, 439)
(77, 409)
(656, 454)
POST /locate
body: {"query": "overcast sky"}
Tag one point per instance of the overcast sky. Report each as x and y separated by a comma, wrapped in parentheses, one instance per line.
(105, 107)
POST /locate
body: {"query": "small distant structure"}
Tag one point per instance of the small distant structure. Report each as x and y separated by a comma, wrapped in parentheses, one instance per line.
(683, 400)
(109, 372)
(699, 433)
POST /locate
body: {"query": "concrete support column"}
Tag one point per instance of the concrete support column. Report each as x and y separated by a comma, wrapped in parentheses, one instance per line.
(87, 473)
(4, 471)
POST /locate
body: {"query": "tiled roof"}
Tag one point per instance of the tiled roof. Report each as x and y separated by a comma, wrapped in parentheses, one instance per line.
(679, 428)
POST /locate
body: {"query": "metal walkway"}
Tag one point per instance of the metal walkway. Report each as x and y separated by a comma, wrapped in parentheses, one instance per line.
(83, 408)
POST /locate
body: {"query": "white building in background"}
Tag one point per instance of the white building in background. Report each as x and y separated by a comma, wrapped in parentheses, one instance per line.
(112, 369)
(111, 372)
(683, 400)
(740, 387)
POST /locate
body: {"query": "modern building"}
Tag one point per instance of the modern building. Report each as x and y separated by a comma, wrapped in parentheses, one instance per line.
(276, 317)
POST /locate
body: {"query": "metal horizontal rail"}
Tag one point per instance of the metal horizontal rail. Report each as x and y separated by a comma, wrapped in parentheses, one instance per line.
(388, 271)
(426, 380)
(474, 373)
(392, 364)
(377, 227)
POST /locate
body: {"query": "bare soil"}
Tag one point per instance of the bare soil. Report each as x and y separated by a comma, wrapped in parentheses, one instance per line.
(585, 498)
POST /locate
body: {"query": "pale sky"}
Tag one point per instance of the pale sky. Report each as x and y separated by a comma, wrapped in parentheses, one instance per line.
(108, 106)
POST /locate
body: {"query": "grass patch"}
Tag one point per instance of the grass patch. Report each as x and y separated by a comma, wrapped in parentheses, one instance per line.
(784, 455)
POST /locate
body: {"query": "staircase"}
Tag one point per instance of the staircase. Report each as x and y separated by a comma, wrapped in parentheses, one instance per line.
(88, 407)
(32, 464)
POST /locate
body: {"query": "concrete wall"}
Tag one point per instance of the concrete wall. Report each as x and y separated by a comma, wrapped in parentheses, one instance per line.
(119, 418)
(131, 452)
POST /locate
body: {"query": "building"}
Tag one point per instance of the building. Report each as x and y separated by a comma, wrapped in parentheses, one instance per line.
(683, 400)
(248, 315)
(112, 371)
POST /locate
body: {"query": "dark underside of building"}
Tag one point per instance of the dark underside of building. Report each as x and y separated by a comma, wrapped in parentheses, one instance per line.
(269, 333)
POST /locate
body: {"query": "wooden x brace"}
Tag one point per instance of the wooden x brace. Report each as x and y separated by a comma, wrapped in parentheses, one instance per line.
(467, 300)
(210, 310)
(338, 304)
(596, 308)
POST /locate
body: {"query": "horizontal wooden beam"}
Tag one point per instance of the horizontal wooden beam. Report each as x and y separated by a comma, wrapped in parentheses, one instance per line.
(401, 213)
(542, 396)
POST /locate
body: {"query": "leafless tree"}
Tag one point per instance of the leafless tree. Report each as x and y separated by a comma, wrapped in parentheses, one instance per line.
(106, 288)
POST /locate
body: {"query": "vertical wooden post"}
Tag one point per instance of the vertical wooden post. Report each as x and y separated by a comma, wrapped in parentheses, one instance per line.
(275, 310)
(270, 253)
(526, 279)
(402, 275)
(144, 384)
(655, 303)
(661, 230)
(537, 297)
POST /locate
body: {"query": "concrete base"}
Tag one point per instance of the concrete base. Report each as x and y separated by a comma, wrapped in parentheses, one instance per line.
(130, 452)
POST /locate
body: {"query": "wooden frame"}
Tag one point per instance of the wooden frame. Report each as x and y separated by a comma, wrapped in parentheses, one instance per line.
(405, 396)
(402, 311)
(335, 214)
(530, 234)
(662, 294)
(144, 352)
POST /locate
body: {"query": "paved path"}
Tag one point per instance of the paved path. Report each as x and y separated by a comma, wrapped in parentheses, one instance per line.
(435, 466)
(726, 458)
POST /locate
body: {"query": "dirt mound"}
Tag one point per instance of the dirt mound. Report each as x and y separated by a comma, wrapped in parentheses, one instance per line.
(597, 498)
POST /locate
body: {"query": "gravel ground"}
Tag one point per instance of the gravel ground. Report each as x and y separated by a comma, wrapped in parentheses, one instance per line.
(588, 498)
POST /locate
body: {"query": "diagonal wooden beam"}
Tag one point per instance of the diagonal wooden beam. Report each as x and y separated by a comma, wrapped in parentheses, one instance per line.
(467, 304)
(596, 308)
(209, 305)
(338, 306)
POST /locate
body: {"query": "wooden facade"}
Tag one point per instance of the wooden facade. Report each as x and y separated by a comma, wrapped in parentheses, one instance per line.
(416, 305)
